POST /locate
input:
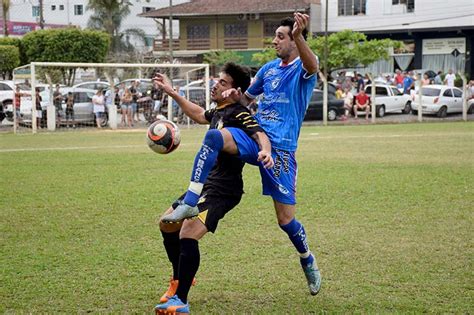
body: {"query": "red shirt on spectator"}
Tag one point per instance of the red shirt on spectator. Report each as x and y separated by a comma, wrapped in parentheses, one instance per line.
(399, 79)
(362, 98)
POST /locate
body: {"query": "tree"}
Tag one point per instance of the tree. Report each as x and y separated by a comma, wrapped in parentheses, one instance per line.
(108, 16)
(219, 58)
(12, 41)
(347, 49)
(66, 45)
(9, 60)
(5, 9)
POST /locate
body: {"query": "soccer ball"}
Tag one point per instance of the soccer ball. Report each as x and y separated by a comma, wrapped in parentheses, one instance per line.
(163, 136)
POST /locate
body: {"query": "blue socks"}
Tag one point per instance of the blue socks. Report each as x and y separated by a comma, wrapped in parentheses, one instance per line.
(297, 235)
(203, 163)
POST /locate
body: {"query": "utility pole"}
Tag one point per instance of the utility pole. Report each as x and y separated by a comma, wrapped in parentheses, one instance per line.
(325, 65)
(41, 21)
(171, 31)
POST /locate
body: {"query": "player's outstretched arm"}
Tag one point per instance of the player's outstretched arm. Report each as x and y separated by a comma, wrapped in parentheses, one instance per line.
(265, 153)
(194, 111)
(308, 58)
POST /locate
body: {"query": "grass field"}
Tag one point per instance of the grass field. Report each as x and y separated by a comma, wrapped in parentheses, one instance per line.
(388, 209)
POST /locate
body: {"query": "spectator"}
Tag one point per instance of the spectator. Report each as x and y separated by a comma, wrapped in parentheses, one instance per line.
(348, 102)
(18, 96)
(450, 78)
(408, 83)
(470, 90)
(367, 80)
(362, 103)
(99, 107)
(398, 79)
(135, 96)
(157, 96)
(126, 107)
(339, 92)
(58, 104)
(426, 80)
(388, 79)
(70, 110)
(39, 110)
(360, 82)
(437, 79)
(347, 84)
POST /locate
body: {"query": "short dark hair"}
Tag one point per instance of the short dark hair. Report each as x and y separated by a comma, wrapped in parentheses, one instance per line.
(239, 74)
(289, 21)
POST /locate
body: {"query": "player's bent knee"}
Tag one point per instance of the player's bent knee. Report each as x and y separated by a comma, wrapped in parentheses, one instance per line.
(194, 229)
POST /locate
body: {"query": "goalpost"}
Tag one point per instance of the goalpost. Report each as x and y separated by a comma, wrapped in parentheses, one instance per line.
(193, 79)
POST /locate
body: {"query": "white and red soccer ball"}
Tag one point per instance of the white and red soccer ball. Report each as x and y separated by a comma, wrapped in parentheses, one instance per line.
(163, 136)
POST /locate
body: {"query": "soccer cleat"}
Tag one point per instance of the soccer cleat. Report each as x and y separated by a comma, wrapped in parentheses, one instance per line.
(173, 306)
(172, 290)
(313, 276)
(183, 211)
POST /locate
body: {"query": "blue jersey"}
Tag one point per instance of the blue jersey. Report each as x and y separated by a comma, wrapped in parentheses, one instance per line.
(286, 92)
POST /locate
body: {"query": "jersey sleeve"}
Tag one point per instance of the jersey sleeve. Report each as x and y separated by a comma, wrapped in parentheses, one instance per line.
(256, 87)
(244, 120)
(208, 114)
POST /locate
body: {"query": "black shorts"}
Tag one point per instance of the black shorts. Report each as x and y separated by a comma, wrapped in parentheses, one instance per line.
(212, 208)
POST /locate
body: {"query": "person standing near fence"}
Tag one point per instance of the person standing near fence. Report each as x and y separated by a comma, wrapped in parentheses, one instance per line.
(99, 107)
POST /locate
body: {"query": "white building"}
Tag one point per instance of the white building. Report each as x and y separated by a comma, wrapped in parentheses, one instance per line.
(24, 15)
(438, 34)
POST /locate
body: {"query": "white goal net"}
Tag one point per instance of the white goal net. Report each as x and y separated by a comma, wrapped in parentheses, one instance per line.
(59, 96)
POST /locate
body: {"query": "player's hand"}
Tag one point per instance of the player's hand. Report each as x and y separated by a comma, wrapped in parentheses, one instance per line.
(232, 94)
(163, 82)
(266, 158)
(301, 22)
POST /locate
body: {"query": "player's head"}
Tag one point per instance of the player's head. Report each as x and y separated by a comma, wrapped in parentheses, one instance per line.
(231, 76)
(283, 41)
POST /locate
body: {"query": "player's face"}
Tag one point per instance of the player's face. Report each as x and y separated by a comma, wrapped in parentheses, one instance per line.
(283, 43)
(224, 83)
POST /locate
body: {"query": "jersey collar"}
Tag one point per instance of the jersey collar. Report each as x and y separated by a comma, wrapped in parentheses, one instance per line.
(294, 60)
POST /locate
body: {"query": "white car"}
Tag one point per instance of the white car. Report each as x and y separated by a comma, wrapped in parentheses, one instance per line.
(83, 107)
(389, 99)
(438, 100)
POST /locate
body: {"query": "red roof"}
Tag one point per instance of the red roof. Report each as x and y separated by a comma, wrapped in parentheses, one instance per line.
(231, 7)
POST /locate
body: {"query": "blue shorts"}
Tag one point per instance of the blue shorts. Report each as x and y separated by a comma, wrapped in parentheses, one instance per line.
(279, 181)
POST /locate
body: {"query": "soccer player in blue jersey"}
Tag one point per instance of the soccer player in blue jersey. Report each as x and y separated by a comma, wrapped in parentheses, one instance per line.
(286, 84)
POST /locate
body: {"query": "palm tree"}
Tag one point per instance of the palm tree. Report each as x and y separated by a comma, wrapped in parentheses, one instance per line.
(108, 16)
(5, 9)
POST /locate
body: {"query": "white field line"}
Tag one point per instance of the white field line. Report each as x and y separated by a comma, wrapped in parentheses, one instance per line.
(314, 136)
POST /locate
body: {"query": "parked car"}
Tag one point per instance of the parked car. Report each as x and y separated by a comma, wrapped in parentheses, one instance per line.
(83, 107)
(438, 100)
(7, 92)
(315, 107)
(389, 99)
(144, 86)
(93, 85)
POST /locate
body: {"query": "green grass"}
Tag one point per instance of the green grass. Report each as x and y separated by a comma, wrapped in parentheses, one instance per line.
(388, 209)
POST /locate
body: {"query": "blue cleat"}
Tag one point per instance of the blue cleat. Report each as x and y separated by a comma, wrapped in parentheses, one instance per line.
(313, 276)
(173, 306)
(183, 211)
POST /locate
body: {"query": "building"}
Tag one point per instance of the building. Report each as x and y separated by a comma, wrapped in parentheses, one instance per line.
(242, 26)
(438, 35)
(24, 16)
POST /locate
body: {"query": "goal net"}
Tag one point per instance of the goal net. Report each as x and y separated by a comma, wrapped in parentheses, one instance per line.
(59, 96)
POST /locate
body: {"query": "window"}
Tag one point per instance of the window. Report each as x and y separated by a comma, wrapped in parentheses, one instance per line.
(147, 9)
(381, 91)
(198, 31)
(410, 4)
(396, 92)
(448, 93)
(235, 30)
(78, 9)
(351, 7)
(61, 7)
(269, 28)
(36, 11)
(457, 93)
(5, 87)
(53, 7)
